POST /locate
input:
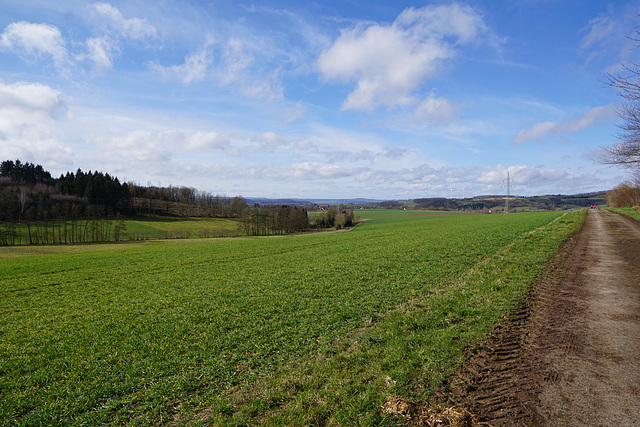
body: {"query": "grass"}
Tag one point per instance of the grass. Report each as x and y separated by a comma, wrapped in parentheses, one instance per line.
(630, 212)
(302, 330)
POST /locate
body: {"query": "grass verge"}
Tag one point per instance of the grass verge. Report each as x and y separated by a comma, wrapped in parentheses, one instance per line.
(630, 212)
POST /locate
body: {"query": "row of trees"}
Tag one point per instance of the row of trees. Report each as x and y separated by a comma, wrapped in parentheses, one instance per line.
(263, 221)
(60, 231)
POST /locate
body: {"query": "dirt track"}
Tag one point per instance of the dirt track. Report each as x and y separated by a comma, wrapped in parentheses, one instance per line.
(571, 354)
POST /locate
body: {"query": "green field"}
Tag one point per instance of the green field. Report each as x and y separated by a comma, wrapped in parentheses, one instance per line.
(167, 227)
(312, 329)
(131, 229)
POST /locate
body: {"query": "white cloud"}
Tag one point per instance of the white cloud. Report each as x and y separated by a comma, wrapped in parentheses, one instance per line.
(28, 100)
(599, 30)
(145, 145)
(522, 175)
(30, 39)
(266, 87)
(239, 70)
(193, 69)
(305, 171)
(593, 116)
(100, 52)
(112, 30)
(237, 61)
(420, 174)
(543, 129)
(436, 110)
(200, 141)
(271, 140)
(130, 28)
(296, 112)
(138, 145)
(388, 62)
(538, 130)
(28, 114)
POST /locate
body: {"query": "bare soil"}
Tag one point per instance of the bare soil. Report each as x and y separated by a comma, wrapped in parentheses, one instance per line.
(570, 354)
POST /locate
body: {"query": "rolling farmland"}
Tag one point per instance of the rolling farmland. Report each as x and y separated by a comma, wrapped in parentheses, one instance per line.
(307, 329)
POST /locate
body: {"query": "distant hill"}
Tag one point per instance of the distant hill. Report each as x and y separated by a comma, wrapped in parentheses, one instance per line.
(302, 202)
(516, 203)
(479, 203)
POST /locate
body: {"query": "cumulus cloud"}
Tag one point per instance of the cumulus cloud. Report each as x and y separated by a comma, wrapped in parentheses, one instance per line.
(33, 40)
(28, 113)
(31, 99)
(388, 62)
(543, 129)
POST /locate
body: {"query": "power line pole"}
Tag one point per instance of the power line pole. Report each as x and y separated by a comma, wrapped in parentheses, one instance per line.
(508, 185)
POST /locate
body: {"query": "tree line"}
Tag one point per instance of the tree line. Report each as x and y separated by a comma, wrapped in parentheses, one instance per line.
(264, 221)
(82, 207)
(29, 193)
(625, 195)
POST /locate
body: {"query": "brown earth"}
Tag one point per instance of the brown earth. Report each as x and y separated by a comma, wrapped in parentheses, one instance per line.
(570, 355)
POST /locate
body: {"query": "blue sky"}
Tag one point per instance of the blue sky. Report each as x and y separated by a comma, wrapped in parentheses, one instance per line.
(331, 99)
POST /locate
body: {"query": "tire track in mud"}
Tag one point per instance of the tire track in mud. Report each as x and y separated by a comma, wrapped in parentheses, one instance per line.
(569, 354)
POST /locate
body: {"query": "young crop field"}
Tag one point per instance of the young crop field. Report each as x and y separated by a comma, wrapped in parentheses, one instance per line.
(311, 329)
(163, 227)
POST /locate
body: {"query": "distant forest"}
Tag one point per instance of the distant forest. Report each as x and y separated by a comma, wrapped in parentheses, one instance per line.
(90, 207)
(28, 192)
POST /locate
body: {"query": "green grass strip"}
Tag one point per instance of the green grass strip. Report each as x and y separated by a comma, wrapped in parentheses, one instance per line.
(630, 212)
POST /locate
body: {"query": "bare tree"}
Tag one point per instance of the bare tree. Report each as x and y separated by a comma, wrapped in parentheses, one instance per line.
(626, 152)
(22, 198)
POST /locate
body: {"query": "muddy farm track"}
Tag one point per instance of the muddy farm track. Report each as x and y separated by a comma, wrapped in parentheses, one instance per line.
(570, 356)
